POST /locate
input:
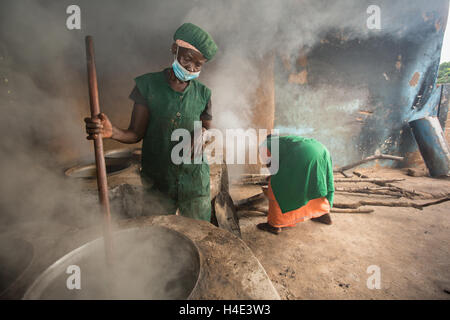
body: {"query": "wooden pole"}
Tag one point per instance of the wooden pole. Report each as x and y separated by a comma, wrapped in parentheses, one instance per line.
(371, 158)
(98, 147)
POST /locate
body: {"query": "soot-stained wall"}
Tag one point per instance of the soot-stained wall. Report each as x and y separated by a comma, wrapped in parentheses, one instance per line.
(356, 94)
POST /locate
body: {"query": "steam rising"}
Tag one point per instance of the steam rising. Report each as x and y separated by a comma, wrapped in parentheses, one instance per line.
(43, 73)
(43, 87)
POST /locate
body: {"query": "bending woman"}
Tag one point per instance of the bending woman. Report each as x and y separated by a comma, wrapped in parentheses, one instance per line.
(303, 186)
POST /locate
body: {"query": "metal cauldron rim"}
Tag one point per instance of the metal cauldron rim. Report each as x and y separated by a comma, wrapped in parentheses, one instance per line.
(69, 171)
(39, 285)
(112, 152)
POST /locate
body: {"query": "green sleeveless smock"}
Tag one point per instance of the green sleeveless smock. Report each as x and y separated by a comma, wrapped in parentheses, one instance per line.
(186, 185)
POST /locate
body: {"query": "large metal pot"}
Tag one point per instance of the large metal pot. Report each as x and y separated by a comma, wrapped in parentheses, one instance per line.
(151, 262)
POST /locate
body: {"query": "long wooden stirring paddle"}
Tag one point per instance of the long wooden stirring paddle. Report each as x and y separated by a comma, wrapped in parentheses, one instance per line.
(98, 147)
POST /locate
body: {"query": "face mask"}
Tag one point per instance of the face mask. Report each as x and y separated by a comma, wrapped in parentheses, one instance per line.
(181, 73)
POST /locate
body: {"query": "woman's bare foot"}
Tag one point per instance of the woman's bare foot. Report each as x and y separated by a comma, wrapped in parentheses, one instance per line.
(267, 227)
(326, 219)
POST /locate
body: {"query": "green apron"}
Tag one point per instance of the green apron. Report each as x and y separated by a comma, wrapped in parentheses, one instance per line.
(186, 185)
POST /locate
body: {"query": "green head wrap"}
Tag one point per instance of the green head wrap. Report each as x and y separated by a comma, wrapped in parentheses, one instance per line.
(197, 37)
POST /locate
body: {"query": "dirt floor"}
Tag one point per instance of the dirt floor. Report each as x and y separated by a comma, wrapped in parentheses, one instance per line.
(311, 261)
(315, 261)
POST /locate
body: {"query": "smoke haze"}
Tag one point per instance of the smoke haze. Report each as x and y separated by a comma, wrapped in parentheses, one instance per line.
(43, 88)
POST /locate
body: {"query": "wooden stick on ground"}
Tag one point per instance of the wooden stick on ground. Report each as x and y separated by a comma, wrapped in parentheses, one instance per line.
(389, 190)
(263, 180)
(409, 193)
(360, 174)
(252, 213)
(370, 191)
(374, 180)
(415, 205)
(347, 175)
(363, 189)
(368, 159)
(257, 179)
(336, 210)
(249, 202)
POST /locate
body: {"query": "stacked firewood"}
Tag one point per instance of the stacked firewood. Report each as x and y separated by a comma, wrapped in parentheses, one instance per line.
(378, 187)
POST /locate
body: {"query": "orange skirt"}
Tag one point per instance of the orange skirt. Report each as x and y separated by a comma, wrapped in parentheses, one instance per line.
(313, 209)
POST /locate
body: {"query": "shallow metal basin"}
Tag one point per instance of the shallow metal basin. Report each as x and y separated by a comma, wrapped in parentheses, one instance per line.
(113, 166)
(152, 262)
(127, 153)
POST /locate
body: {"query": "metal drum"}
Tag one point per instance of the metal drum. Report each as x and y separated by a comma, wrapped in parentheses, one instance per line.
(432, 145)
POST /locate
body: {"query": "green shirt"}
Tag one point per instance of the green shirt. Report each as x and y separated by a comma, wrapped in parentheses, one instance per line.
(305, 172)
